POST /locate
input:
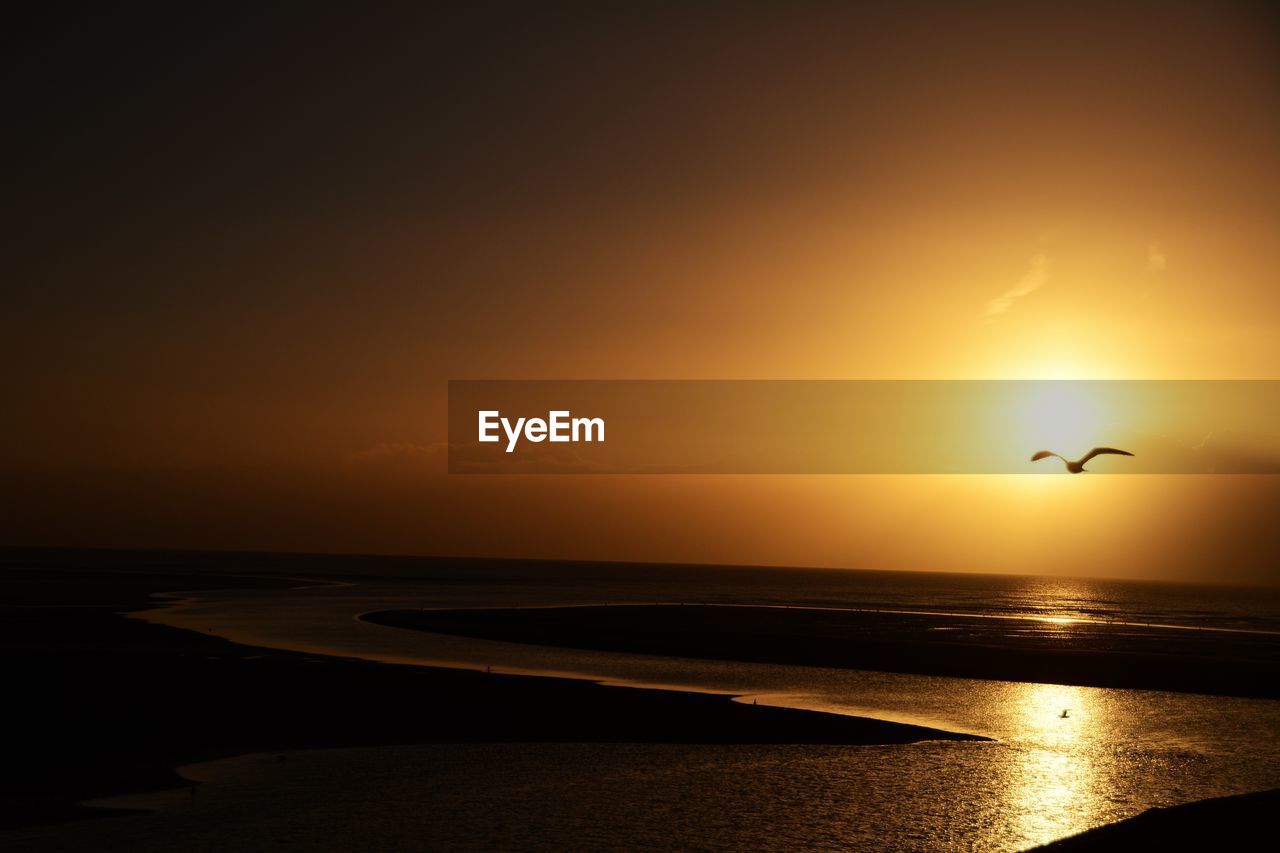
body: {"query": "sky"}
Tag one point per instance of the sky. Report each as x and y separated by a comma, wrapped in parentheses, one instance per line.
(247, 247)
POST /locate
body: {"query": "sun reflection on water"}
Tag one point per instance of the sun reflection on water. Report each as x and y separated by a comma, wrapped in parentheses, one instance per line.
(1060, 620)
(1051, 792)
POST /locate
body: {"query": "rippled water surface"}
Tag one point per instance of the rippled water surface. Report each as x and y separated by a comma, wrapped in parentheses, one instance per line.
(1118, 752)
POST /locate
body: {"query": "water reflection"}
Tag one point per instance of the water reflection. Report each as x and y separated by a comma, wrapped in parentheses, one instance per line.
(1116, 753)
(1052, 788)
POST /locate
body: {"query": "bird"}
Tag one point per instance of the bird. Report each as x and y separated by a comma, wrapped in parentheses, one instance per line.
(1064, 714)
(1077, 467)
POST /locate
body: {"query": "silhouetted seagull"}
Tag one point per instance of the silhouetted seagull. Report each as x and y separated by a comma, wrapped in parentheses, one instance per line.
(1077, 467)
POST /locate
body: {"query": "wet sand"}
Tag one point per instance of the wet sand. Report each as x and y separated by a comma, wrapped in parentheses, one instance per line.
(103, 704)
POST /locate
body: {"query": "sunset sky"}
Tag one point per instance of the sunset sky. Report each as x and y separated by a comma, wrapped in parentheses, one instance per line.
(246, 250)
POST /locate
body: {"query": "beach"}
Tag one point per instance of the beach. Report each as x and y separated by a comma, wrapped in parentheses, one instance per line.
(1092, 653)
(110, 705)
(207, 701)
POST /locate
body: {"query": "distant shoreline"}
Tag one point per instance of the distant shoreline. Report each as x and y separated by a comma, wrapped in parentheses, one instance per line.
(436, 566)
(1099, 655)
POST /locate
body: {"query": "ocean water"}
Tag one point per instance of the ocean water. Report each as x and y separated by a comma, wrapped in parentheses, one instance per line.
(1118, 753)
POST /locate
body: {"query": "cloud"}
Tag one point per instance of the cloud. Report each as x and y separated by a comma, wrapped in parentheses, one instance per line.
(1156, 259)
(1032, 280)
(1219, 452)
(1233, 455)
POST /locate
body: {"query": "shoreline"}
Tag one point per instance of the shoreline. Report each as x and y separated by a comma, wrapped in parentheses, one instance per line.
(1235, 822)
(273, 700)
(930, 644)
(133, 700)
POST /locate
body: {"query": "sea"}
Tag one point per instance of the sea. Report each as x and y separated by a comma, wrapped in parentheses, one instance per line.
(1043, 776)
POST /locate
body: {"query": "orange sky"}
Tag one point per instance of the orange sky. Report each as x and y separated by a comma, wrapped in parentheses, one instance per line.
(249, 252)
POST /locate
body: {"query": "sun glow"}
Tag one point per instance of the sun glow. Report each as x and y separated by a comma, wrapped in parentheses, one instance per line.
(1060, 416)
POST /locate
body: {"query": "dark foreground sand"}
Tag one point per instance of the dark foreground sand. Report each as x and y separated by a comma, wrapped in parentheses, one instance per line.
(1244, 822)
(100, 704)
(1090, 655)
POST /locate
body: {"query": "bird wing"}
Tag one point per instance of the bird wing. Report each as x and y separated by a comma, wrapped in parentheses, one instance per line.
(1045, 454)
(1098, 451)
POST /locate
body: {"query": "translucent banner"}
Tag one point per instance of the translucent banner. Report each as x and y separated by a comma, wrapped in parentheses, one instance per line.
(863, 427)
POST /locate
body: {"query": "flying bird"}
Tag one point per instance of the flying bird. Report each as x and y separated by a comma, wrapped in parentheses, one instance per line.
(1077, 467)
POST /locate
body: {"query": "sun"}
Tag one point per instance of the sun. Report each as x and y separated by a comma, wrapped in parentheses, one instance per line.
(1062, 416)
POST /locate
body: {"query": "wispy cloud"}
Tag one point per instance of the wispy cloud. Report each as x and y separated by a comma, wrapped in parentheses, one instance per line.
(1033, 279)
(1156, 259)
